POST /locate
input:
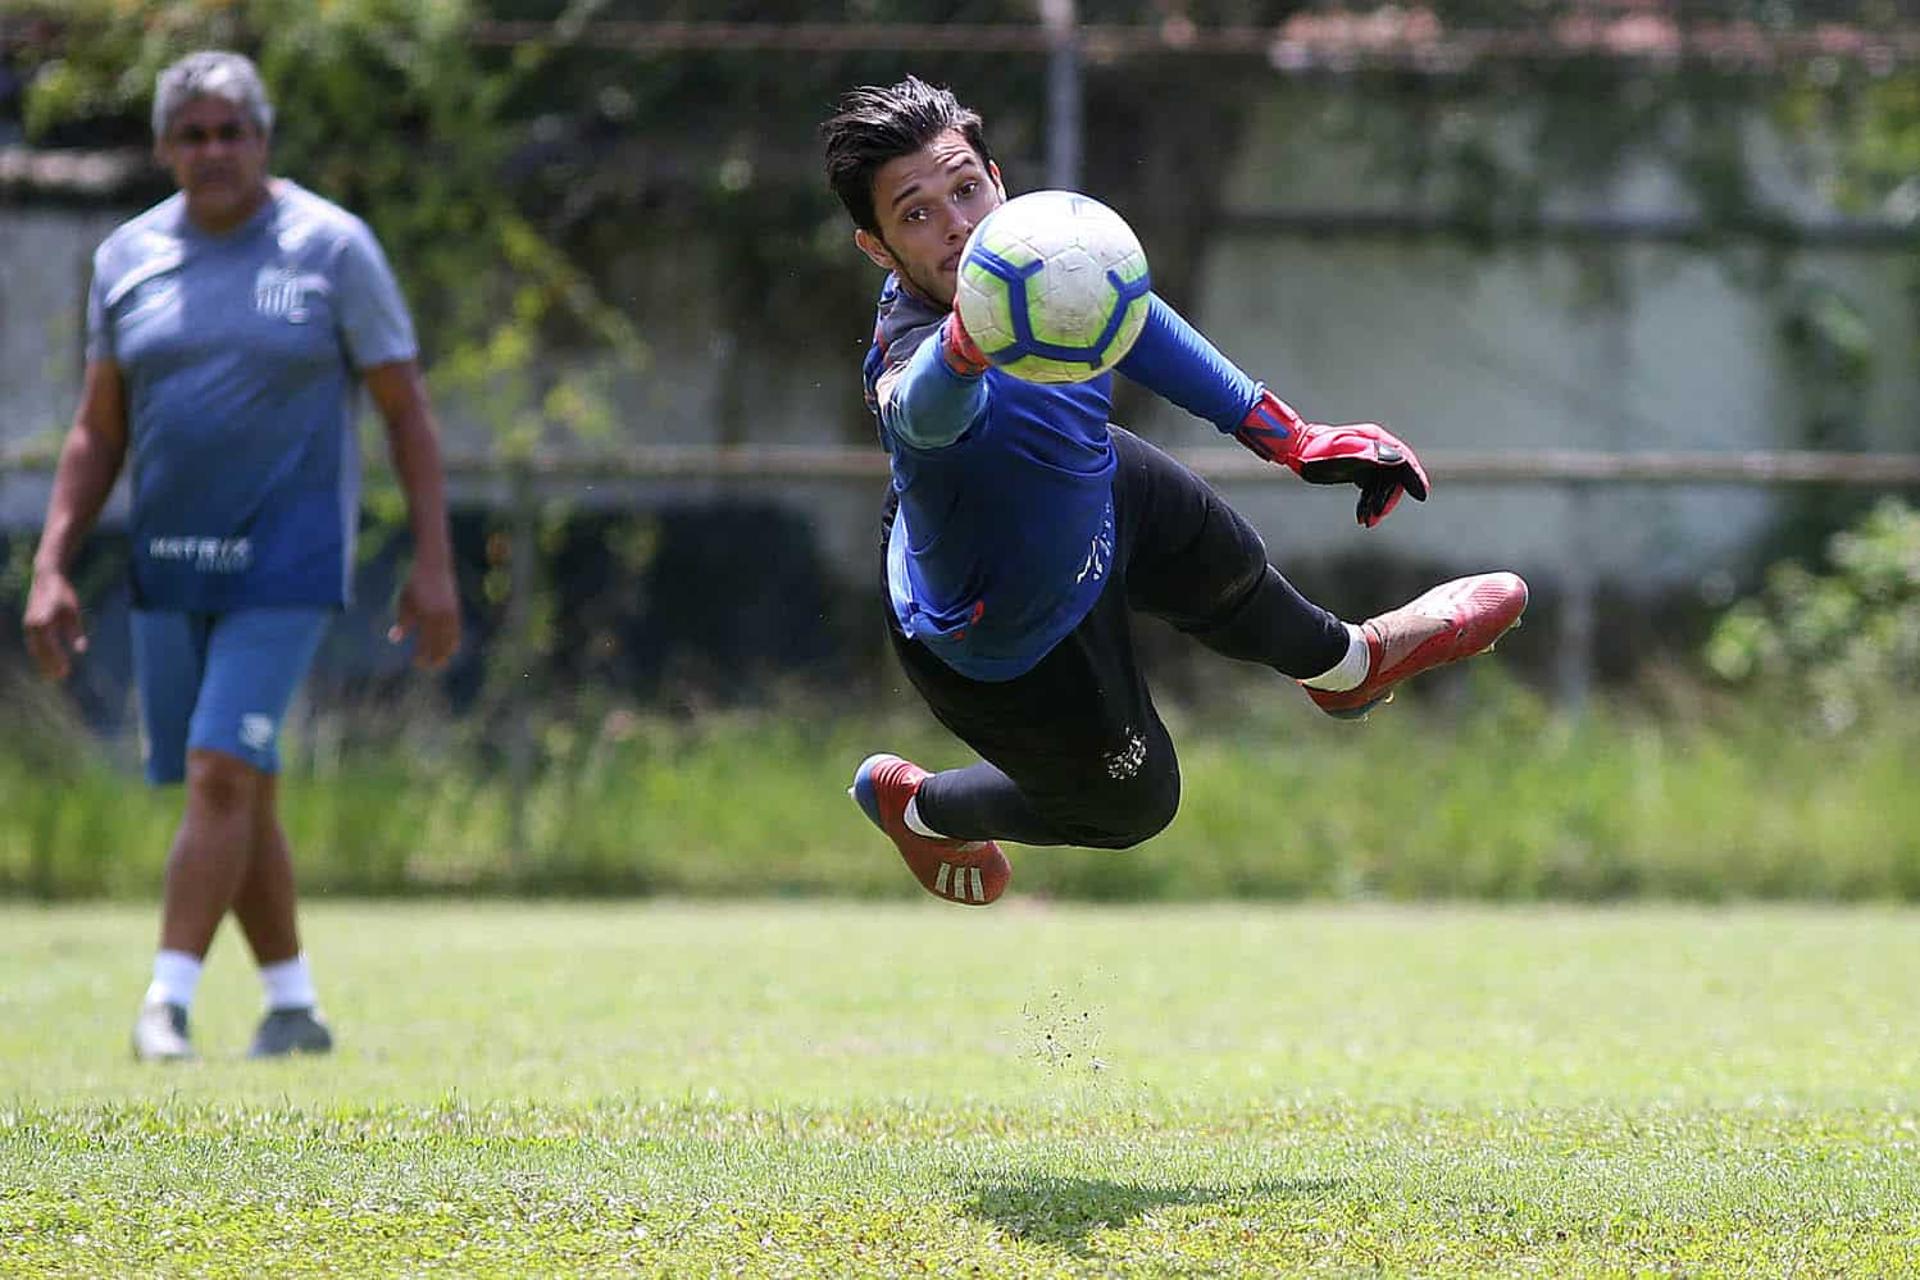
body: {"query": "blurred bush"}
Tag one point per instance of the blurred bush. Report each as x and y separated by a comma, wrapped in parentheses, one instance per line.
(1842, 644)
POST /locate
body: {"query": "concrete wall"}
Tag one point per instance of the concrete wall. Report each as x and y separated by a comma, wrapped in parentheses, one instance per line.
(1504, 351)
(1627, 345)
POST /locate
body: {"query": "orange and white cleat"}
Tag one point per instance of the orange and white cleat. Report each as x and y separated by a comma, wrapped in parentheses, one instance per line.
(1455, 620)
(970, 872)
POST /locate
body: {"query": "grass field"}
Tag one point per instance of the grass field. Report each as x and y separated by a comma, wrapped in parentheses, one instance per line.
(798, 1089)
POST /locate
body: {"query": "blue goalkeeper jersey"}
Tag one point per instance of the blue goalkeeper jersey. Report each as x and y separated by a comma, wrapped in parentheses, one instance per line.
(1004, 533)
(240, 355)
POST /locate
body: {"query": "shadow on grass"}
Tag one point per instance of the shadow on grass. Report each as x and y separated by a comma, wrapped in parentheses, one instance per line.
(1065, 1211)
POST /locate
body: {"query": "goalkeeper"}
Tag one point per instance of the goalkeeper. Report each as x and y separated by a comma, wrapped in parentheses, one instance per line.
(1021, 528)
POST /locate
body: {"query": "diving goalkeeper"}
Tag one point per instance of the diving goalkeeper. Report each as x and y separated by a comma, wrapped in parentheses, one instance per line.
(1021, 529)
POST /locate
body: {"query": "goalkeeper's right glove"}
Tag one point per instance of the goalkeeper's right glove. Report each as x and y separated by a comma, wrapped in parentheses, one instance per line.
(1361, 453)
(962, 354)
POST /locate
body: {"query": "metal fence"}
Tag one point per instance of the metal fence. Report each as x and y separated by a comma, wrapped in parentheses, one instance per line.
(514, 484)
(1578, 473)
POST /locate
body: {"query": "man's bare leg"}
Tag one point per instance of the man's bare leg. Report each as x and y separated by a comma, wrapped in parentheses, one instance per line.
(266, 907)
(211, 853)
(265, 903)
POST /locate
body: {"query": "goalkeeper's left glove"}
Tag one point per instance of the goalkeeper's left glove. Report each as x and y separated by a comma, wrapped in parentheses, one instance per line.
(1361, 453)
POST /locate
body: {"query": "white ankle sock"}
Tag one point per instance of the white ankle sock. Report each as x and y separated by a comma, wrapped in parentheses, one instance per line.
(1350, 671)
(289, 984)
(175, 976)
(917, 824)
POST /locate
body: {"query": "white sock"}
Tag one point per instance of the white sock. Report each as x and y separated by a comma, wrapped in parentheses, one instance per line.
(289, 984)
(917, 824)
(1350, 671)
(175, 975)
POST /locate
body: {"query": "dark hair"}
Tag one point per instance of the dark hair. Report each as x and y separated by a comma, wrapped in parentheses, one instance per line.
(878, 123)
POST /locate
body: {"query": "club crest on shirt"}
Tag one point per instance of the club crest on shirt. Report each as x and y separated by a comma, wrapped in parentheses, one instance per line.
(282, 291)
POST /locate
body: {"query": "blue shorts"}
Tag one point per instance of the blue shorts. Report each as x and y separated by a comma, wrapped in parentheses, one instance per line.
(219, 682)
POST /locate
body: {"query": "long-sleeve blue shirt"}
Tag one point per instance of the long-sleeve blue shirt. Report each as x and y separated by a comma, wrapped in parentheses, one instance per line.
(1004, 533)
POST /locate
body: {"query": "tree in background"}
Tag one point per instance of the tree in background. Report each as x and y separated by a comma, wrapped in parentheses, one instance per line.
(386, 107)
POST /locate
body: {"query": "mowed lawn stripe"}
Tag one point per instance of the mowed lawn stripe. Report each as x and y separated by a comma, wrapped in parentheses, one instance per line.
(804, 1088)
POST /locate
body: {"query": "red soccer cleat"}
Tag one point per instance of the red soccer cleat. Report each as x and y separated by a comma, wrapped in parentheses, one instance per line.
(1455, 620)
(969, 872)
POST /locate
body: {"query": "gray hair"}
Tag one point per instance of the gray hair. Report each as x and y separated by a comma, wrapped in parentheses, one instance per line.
(211, 73)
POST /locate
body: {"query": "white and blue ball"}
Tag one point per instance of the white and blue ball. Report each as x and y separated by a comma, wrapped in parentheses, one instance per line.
(1053, 287)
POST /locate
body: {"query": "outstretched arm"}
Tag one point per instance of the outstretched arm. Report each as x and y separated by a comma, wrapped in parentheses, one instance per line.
(1175, 361)
(90, 461)
(930, 399)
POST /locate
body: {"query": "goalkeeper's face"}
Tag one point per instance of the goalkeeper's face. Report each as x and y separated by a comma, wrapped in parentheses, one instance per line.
(926, 204)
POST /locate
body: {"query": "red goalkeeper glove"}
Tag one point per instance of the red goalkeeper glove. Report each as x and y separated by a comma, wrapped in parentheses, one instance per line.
(962, 353)
(1361, 453)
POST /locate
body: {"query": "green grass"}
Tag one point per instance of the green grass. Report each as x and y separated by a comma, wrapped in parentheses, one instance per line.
(806, 1089)
(1503, 801)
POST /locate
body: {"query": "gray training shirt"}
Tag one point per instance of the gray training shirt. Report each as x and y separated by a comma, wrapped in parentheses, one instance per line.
(241, 356)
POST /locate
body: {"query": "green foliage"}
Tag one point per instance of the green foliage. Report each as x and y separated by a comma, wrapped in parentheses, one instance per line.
(386, 107)
(842, 1090)
(1874, 118)
(1842, 644)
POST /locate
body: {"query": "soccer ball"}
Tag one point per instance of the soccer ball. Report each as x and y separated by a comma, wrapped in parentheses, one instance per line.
(1053, 287)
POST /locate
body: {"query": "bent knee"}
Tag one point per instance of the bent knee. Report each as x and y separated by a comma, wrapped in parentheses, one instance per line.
(1124, 814)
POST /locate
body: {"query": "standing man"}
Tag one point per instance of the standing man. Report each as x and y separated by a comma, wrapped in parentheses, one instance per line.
(229, 329)
(1022, 528)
